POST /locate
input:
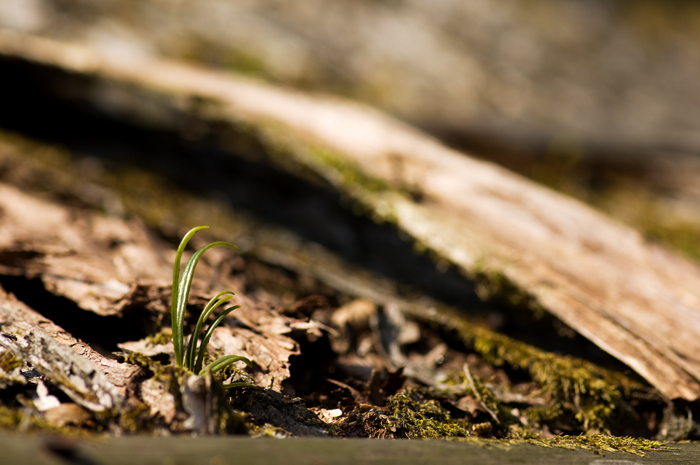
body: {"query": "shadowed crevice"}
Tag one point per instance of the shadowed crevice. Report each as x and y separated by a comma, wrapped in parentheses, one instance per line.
(102, 333)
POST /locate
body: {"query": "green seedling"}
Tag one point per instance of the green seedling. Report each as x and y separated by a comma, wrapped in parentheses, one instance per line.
(192, 357)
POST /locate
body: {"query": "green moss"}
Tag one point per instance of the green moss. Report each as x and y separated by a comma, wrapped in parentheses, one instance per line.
(9, 362)
(420, 413)
(682, 236)
(573, 387)
(171, 377)
(136, 419)
(494, 285)
(228, 420)
(268, 431)
(162, 337)
(12, 418)
(600, 443)
(413, 416)
(349, 174)
(544, 415)
(248, 63)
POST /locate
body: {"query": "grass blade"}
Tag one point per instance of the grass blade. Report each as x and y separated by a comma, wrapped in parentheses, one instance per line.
(183, 292)
(239, 384)
(178, 338)
(182, 284)
(216, 301)
(207, 336)
(223, 362)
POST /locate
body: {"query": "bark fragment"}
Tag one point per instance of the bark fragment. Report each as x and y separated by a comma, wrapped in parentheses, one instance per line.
(77, 377)
(18, 321)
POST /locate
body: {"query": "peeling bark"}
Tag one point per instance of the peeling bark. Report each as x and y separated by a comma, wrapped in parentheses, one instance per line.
(73, 374)
(94, 260)
(18, 320)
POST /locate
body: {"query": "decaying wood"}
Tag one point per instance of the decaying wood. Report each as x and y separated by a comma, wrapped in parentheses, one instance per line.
(42, 239)
(76, 376)
(634, 299)
(104, 264)
(18, 320)
(89, 379)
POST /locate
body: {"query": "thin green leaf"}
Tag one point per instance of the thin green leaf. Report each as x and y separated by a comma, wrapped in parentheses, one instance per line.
(182, 284)
(178, 338)
(239, 384)
(223, 362)
(207, 336)
(183, 292)
(213, 304)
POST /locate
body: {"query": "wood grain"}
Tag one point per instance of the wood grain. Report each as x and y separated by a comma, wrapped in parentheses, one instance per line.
(233, 450)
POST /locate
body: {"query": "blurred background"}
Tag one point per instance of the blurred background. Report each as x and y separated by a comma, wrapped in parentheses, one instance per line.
(599, 99)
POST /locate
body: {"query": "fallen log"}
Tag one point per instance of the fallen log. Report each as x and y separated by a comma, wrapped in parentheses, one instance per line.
(593, 394)
(634, 299)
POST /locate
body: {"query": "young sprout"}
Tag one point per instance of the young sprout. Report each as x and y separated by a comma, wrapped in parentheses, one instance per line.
(191, 357)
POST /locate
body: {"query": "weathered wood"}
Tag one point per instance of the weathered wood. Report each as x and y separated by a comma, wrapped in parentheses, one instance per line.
(634, 299)
(235, 450)
(19, 320)
(80, 379)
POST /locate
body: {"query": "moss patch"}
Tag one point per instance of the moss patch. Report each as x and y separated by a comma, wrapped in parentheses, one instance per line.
(594, 396)
(9, 362)
(164, 336)
(492, 285)
(349, 175)
(601, 443)
(413, 416)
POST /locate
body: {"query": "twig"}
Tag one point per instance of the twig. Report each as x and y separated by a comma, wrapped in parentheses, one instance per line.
(472, 385)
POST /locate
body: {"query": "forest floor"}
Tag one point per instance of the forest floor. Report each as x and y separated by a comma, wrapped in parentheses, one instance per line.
(354, 329)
